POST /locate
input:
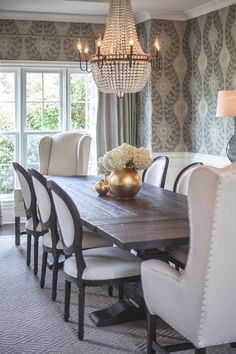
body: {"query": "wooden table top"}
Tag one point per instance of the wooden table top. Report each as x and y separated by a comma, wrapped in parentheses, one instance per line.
(155, 217)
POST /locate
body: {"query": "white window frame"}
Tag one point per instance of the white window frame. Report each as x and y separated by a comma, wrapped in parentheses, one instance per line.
(20, 68)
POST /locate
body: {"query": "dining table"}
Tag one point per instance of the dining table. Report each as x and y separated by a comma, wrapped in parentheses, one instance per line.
(147, 224)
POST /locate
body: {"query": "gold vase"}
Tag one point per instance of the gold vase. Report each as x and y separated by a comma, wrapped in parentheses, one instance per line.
(102, 187)
(124, 183)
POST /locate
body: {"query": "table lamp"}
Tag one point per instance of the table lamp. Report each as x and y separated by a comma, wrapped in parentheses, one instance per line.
(226, 107)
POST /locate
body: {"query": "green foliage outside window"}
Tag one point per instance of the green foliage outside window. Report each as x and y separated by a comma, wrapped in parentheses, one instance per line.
(40, 116)
(6, 171)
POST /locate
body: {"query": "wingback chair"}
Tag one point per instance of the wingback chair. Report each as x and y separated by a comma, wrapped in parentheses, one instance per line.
(63, 154)
(199, 302)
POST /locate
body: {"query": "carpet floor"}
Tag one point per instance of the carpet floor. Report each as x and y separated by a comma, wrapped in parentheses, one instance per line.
(32, 324)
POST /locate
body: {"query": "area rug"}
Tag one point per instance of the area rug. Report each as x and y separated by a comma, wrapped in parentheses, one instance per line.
(32, 323)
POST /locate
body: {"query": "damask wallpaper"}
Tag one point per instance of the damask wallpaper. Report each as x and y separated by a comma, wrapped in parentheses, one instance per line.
(176, 109)
(43, 40)
(162, 107)
(209, 45)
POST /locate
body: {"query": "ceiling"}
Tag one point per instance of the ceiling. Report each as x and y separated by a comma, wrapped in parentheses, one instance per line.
(95, 11)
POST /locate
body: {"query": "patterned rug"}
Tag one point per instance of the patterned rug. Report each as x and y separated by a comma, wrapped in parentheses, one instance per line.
(32, 323)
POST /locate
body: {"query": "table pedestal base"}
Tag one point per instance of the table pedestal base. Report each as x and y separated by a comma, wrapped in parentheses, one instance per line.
(119, 312)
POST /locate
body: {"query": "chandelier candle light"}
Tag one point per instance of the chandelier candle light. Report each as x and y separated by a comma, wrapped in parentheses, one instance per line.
(120, 65)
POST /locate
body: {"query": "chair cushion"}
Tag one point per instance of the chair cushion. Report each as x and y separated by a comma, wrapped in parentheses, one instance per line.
(47, 241)
(93, 240)
(180, 253)
(105, 263)
(29, 225)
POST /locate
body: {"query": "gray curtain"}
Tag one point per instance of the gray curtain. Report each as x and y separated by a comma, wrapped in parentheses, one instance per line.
(116, 121)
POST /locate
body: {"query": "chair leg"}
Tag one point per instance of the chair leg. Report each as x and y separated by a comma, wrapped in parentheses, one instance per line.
(81, 300)
(200, 351)
(17, 231)
(54, 278)
(151, 335)
(110, 290)
(67, 300)
(121, 292)
(36, 251)
(44, 267)
(28, 256)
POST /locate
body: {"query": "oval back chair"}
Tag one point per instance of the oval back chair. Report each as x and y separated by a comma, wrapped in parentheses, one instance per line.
(156, 173)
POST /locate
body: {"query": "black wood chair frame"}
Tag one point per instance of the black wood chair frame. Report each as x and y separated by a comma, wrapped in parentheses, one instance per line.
(51, 225)
(76, 249)
(182, 172)
(31, 212)
(158, 158)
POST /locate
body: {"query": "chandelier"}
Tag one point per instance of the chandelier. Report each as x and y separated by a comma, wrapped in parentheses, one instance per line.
(119, 65)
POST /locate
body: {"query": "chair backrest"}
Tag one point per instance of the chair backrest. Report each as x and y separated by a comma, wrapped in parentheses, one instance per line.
(181, 183)
(208, 279)
(64, 154)
(70, 225)
(28, 193)
(46, 209)
(156, 173)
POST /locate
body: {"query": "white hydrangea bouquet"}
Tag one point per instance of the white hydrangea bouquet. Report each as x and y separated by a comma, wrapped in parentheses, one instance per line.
(124, 155)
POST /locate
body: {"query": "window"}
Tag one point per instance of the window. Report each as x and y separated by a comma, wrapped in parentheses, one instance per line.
(35, 102)
(8, 129)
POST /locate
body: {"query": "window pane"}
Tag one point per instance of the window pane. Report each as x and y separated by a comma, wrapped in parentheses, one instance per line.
(33, 150)
(7, 87)
(7, 155)
(51, 87)
(43, 101)
(51, 116)
(78, 115)
(78, 87)
(34, 116)
(34, 87)
(7, 116)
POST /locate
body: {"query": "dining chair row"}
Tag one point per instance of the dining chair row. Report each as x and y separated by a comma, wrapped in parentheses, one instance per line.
(157, 172)
(90, 259)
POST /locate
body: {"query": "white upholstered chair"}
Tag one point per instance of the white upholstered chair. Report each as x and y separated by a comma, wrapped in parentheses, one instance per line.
(156, 173)
(32, 226)
(181, 183)
(93, 267)
(63, 154)
(178, 255)
(51, 241)
(199, 302)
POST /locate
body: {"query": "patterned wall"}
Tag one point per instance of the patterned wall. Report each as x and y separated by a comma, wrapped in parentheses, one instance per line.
(177, 107)
(43, 40)
(162, 108)
(210, 49)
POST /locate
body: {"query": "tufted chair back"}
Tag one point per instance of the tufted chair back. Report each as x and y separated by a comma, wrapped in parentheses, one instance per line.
(200, 301)
(64, 154)
(212, 260)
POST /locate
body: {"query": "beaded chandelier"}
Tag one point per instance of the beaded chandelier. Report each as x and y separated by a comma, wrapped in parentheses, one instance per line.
(120, 65)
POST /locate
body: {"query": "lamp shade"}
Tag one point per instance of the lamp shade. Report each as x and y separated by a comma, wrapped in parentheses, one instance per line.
(226, 104)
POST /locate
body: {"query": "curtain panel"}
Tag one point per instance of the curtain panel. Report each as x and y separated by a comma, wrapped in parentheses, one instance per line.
(116, 121)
